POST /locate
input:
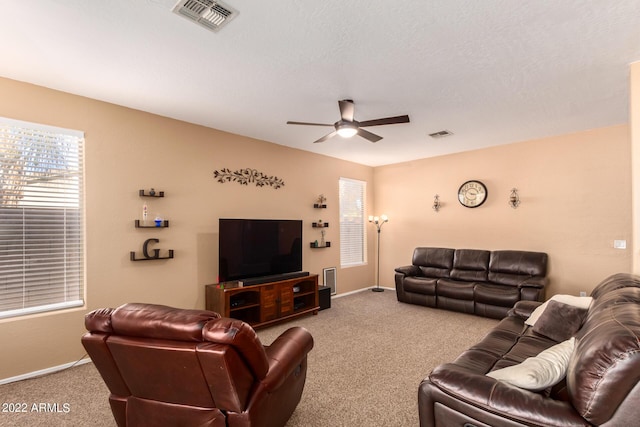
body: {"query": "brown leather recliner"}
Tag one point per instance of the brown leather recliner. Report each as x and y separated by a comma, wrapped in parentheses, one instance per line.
(169, 366)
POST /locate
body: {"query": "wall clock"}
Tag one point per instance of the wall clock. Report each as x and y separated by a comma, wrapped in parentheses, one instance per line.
(472, 194)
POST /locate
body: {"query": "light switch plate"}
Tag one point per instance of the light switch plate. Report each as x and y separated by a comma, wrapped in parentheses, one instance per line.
(620, 244)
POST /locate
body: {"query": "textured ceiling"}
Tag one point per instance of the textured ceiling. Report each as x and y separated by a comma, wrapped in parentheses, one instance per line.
(492, 71)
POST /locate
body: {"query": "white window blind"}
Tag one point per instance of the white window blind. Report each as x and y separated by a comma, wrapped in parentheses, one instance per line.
(41, 218)
(352, 195)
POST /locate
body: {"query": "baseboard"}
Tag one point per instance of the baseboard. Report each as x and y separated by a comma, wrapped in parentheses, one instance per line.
(46, 371)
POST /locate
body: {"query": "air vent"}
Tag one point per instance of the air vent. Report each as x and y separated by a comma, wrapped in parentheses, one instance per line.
(209, 14)
(441, 134)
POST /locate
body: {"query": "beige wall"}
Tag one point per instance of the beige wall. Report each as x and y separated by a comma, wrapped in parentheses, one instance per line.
(128, 150)
(575, 192)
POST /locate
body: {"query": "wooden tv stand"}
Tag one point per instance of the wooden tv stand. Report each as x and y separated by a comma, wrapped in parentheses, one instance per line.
(267, 303)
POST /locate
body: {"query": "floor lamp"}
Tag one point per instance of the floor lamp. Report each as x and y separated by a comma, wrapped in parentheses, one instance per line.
(379, 222)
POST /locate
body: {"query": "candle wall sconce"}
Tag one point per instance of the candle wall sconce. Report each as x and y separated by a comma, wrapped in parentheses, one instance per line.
(320, 202)
(514, 198)
(436, 203)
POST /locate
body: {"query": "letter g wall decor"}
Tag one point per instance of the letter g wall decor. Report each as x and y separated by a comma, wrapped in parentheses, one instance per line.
(246, 176)
(149, 257)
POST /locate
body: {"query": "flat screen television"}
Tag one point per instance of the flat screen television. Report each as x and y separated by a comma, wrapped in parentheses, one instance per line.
(250, 248)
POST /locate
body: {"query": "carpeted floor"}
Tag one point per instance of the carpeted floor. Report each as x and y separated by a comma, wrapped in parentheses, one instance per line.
(370, 354)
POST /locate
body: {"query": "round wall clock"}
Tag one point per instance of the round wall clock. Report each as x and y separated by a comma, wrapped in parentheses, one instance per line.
(472, 194)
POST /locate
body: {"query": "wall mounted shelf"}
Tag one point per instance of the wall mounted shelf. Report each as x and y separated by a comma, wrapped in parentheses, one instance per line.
(320, 224)
(319, 206)
(142, 193)
(326, 245)
(165, 224)
(132, 256)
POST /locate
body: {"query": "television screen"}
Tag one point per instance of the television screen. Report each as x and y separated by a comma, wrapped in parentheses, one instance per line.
(259, 247)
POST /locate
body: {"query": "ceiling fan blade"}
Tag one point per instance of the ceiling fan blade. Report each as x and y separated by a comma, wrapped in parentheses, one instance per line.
(385, 121)
(324, 138)
(346, 109)
(309, 124)
(368, 135)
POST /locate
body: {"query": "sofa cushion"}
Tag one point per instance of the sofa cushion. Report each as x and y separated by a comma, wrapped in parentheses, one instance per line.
(420, 285)
(455, 289)
(515, 267)
(505, 296)
(470, 265)
(605, 366)
(502, 338)
(527, 345)
(539, 372)
(560, 321)
(433, 262)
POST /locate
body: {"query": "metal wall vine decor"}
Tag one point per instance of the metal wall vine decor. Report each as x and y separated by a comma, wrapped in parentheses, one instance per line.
(246, 176)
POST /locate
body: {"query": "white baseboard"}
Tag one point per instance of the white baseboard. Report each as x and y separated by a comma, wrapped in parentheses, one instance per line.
(46, 371)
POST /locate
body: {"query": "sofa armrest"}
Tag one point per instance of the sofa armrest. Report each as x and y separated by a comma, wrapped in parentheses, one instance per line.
(499, 398)
(409, 270)
(534, 282)
(523, 309)
(285, 354)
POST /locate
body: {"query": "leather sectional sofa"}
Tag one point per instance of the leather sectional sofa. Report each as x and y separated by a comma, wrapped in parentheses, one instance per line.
(486, 283)
(599, 385)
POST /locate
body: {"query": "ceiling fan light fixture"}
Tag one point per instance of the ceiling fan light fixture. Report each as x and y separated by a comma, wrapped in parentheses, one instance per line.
(347, 130)
(347, 127)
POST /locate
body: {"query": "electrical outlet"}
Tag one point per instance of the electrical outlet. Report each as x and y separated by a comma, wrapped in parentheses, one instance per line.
(583, 294)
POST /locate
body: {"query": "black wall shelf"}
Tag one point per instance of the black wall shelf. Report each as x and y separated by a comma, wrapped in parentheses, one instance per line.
(142, 193)
(319, 206)
(132, 256)
(165, 224)
(320, 224)
(326, 245)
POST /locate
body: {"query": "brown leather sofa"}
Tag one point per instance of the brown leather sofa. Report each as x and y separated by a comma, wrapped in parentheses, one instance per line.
(601, 386)
(166, 366)
(471, 280)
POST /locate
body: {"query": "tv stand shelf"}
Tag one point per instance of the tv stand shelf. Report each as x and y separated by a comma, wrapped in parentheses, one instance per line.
(267, 303)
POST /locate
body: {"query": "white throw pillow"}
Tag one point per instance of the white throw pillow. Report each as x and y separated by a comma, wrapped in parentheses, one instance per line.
(582, 302)
(539, 372)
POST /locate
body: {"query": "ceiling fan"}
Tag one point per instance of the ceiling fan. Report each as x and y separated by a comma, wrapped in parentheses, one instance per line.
(347, 127)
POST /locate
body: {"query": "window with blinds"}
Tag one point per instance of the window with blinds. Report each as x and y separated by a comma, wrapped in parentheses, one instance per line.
(352, 195)
(41, 218)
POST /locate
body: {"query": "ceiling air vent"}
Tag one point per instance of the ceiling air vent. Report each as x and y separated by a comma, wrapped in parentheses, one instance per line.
(210, 14)
(441, 134)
